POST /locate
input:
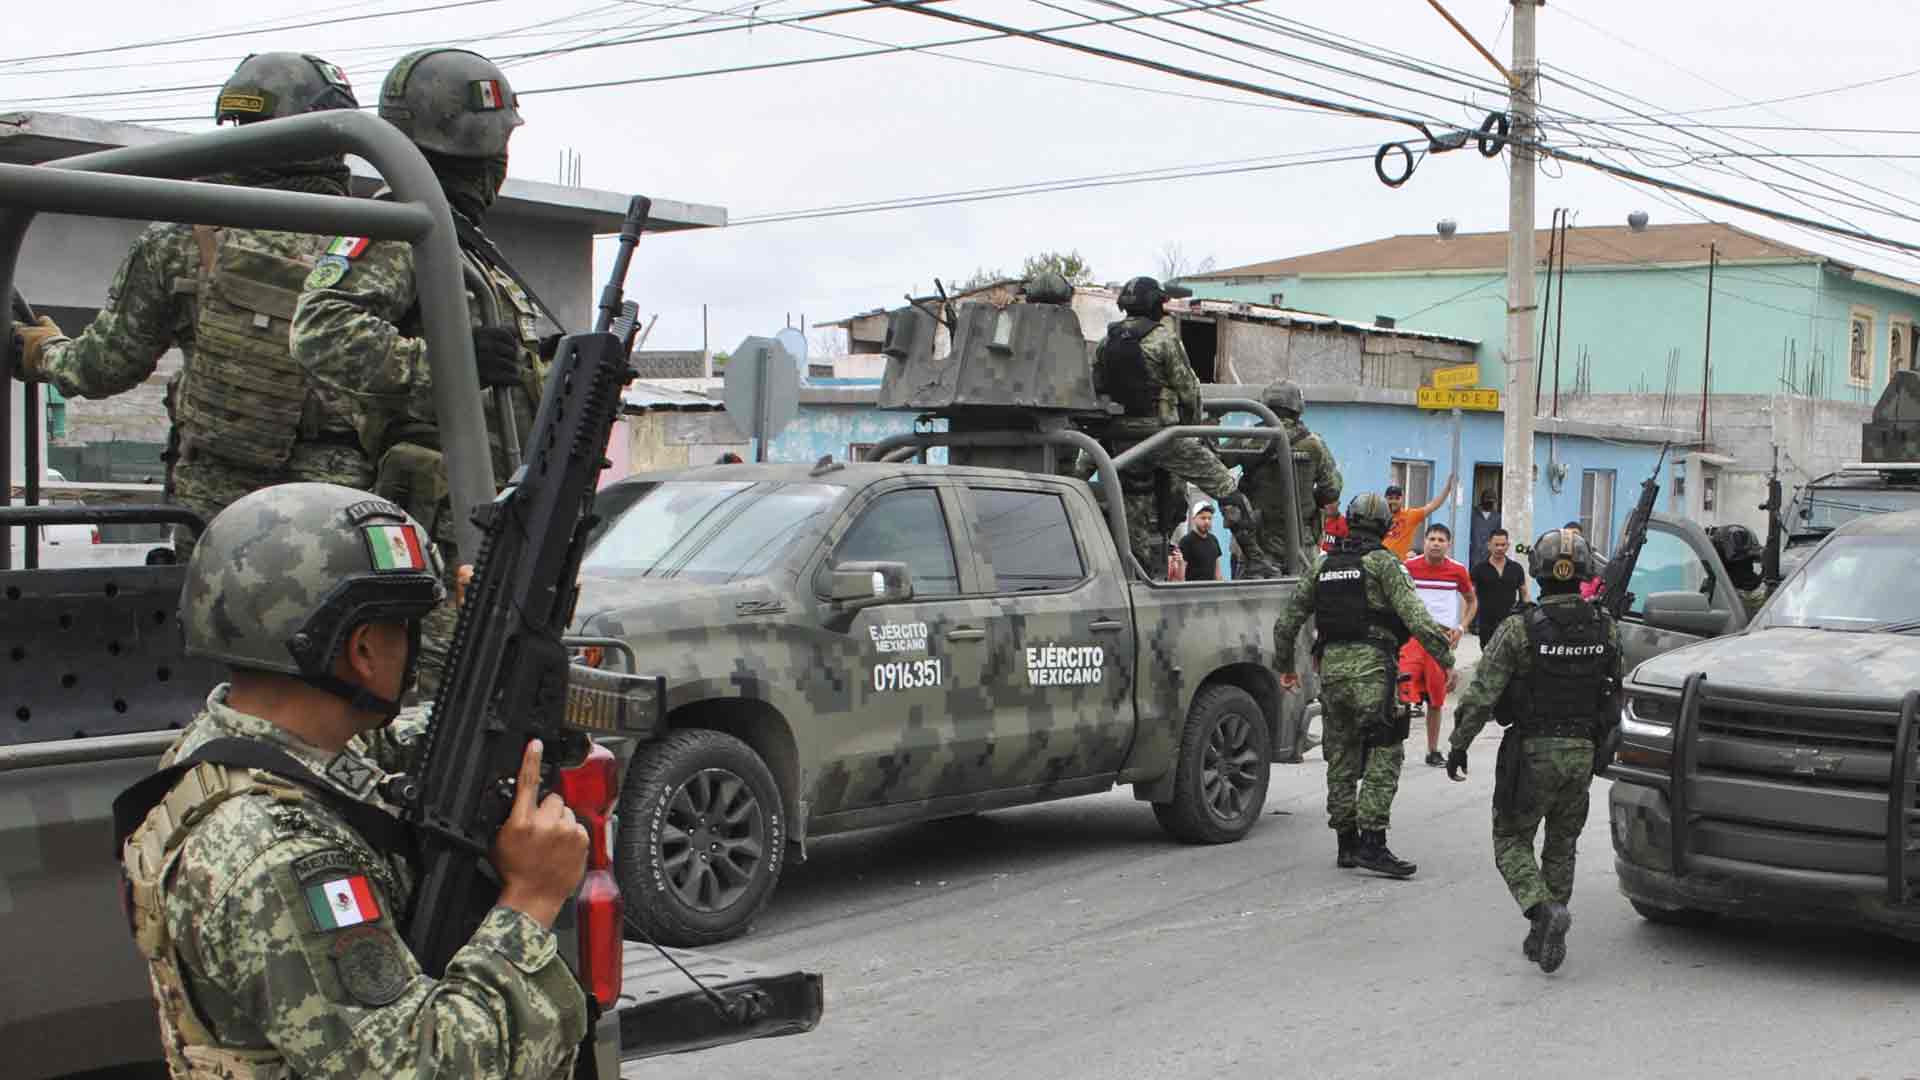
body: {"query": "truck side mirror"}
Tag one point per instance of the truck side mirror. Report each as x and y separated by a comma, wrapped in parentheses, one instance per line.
(859, 585)
(1686, 612)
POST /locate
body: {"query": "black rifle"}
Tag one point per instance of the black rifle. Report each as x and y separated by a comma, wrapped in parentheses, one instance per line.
(507, 675)
(1770, 555)
(1614, 597)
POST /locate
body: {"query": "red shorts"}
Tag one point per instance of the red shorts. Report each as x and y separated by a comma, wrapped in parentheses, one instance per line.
(1422, 677)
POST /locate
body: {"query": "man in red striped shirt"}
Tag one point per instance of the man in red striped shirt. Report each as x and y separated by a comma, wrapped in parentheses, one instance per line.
(1446, 589)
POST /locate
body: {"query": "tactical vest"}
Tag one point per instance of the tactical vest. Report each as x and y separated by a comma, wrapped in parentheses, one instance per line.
(1571, 679)
(1123, 370)
(242, 398)
(152, 820)
(1340, 609)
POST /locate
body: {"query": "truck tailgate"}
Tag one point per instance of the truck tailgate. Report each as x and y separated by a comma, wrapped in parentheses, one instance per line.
(662, 1012)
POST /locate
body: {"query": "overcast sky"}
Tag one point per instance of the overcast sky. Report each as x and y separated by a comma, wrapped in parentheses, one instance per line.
(921, 123)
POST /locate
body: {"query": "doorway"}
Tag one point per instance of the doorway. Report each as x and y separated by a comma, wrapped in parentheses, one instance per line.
(1202, 340)
(1486, 478)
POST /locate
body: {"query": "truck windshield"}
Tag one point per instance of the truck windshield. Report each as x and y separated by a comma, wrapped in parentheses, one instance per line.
(702, 530)
(1826, 509)
(1852, 583)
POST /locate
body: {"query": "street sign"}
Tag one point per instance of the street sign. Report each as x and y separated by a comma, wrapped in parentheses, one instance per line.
(762, 393)
(1428, 397)
(1461, 375)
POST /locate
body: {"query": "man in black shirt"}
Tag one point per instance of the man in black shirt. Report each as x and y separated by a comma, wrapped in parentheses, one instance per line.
(1499, 583)
(1200, 548)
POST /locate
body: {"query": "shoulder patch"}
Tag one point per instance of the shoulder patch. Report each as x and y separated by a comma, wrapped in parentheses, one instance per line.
(348, 247)
(323, 865)
(338, 902)
(372, 966)
(331, 270)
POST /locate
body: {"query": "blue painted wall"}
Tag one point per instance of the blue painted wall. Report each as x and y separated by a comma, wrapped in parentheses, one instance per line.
(1629, 320)
(831, 429)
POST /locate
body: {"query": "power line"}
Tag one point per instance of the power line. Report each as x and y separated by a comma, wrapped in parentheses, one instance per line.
(195, 38)
(1040, 187)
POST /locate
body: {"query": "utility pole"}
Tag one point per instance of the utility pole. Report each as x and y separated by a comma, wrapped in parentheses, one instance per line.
(1706, 361)
(1516, 510)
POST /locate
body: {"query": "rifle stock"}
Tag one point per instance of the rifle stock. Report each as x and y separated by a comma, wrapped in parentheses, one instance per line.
(507, 676)
(1614, 597)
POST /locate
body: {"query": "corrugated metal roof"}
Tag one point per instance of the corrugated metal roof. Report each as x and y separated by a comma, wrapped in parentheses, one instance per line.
(1268, 313)
(673, 395)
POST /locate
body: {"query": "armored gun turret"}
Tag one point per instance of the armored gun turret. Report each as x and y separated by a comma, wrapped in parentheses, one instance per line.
(1019, 367)
(1893, 435)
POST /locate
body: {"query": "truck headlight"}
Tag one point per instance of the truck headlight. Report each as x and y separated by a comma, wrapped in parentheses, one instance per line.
(1646, 723)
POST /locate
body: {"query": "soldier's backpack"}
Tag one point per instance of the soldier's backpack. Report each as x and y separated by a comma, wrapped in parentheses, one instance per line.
(242, 399)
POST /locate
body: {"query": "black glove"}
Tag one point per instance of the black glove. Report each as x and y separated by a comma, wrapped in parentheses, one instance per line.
(496, 356)
(1456, 764)
(1238, 511)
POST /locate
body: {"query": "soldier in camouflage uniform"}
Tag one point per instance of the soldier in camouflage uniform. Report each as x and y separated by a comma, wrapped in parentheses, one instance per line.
(1316, 482)
(1552, 671)
(1739, 550)
(266, 874)
(1364, 607)
(1142, 366)
(357, 329)
(244, 416)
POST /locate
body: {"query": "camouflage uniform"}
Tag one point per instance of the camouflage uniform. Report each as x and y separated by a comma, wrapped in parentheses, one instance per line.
(1314, 471)
(1557, 769)
(269, 912)
(1752, 599)
(1356, 683)
(150, 309)
(1175, 391)
(361, 337)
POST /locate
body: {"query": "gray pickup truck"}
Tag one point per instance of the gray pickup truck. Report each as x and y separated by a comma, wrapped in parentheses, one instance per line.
(96, 682)
(851, 645)
(1770, 768)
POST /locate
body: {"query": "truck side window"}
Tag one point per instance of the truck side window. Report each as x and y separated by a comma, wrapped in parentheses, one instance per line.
(1667, 564)
(908, 527)
(1027, 538)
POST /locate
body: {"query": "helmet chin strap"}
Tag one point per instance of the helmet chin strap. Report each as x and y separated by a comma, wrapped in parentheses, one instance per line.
(361, 699)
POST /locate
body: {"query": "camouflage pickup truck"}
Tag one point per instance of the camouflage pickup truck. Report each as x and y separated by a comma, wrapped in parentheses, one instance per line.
(851, 645)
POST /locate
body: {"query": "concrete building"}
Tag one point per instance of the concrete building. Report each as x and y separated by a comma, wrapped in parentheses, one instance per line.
(1802, 343)
(67, 264)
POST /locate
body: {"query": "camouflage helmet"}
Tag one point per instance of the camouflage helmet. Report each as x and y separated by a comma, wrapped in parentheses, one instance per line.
(281, 576)
(1560, 555)
(270, 85)
(1284, 396)
(452, 102)
(1735, 543)
(1049, 287)
(1146, 296)
(1368, 513)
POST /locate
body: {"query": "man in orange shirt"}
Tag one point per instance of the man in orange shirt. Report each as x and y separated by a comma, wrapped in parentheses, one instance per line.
(1406, 522)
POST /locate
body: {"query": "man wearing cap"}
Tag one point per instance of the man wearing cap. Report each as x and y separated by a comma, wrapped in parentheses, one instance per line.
(1200, 547)
(1406, 521)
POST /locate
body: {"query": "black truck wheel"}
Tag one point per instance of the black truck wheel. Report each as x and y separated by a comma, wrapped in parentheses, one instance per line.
(702, 838)
(1220, 778)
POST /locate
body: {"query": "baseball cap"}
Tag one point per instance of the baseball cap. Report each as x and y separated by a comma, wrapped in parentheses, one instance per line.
(1394, 489)
(1199, 506)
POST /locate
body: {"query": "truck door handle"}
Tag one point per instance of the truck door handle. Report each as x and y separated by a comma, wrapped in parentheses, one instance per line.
(1103, 626)
(966, 633)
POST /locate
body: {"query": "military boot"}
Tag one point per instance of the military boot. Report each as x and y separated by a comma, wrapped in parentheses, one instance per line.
(1349, 840)
(1536, 932)
(1372, 854)
(1551, 920)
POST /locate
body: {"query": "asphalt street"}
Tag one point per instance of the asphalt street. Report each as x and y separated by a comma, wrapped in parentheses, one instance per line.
(1074, 939)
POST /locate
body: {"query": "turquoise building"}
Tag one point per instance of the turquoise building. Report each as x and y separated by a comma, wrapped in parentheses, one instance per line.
(1629, 316)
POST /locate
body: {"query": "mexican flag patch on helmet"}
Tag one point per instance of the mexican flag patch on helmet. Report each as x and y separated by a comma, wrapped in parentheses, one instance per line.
(395, 548)
(490, 94)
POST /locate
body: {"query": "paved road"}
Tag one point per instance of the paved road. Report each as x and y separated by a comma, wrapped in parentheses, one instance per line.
(1074, 940)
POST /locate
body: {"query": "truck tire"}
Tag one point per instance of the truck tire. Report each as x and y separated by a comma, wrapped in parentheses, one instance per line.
(702, 838)
(1684, 917)
(1220, 777)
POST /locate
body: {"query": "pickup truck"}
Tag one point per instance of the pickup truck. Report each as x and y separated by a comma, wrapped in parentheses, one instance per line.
(1772, 770)
(863, 644)
(96, 683)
